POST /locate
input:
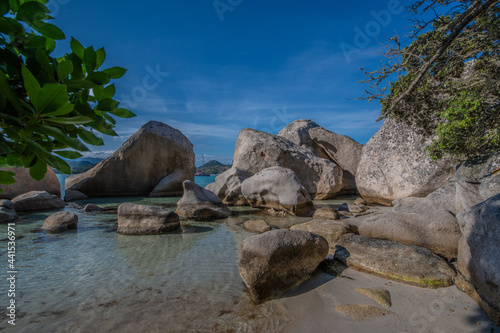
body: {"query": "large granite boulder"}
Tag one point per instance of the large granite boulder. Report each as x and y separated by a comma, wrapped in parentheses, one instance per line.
(479, 255)
(279, 189)
(403, 263)
(24, 183)
(37, 200)
(329, 230)
(278, 260)
(340, 149)
(7, 211)
(154, 161)
(60, 222)
(200, 204)
(477, 180)
(256, 151)
(227, 186)
(394, 164)
(134, 219)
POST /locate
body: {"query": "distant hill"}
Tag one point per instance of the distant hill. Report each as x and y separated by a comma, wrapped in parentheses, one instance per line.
(213, 168)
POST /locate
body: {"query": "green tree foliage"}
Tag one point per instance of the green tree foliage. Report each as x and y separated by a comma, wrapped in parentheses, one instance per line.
(49, 107)
(446, 80)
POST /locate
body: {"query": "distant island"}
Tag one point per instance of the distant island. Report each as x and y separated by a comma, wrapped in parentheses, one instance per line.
(213, 168)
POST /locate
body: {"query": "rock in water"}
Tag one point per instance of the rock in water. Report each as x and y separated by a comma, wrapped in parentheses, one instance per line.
(277, 188)
(154, 161)
(37, 200)
(327, 212)
(259, 226)
(394, 164)
(200, 204)
(134, 219)
(278, 260)
(479, 255)
(25, 183)
(227, 186)
(340, 149)
(403, 263)
(330, 230)
(7, 211)
(60, 222)
(256, 151)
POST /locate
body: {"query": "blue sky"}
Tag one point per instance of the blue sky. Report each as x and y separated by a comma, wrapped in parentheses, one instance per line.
(211, 68)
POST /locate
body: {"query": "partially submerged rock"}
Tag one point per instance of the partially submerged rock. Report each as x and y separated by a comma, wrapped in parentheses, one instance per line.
(479, 255)
(256, 151)
(277, 188)
(60, 222)
(327, 212)
(330, 230)
(362, 312)
(340, 149)
(37, 200)
(155, 161)
(278, 260)
(74, 195)
(200, 204)
(259, 226)
(381, 296)
(7, 211)
(24, 183)
(394, 164)
(227, 186)
(92, 208)
(403, 263)
(134, 219)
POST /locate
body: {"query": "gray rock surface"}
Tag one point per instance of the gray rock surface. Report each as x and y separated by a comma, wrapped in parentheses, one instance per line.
(73, 195)
(329, 230)
(438, 231)
(278, 260)
(25, 183)
(477, 180)
(479, 255)
(327, 212)
(277, 188)
(155, 160)
(259, 226)
(403, 263)
(394, 164)
(340, 149)
(7, 211)
(200, 204)
(134, 219)
(256, 151)
(37, 200)
(227, 186)
(60, 222)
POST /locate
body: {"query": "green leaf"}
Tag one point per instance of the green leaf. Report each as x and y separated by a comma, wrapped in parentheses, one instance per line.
(109, 91)
(36, 42)
(89, 137)
(110, 119)
(51, 97)
(79, 84)
(7, 177)
(101, 56)
(107, 104)
(60, 136)
(31, 84)
(50, 159)
(115, 72)
(90, 59)
(8, 93)
(4, 7)
(50, 45)
(44, 61)
(123, 113)
(65, 109)
(99, 78)
(77, 120)
(32, 11)
(10, 26)
(77, 48)
(68, 154)
(27, 160)
(98, 92)
(38, 171)
(64, 69)
(14, 5)
(48, 30)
